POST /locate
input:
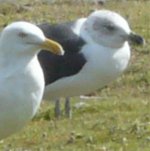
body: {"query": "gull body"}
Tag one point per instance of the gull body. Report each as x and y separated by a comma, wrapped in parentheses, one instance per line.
(110, 63)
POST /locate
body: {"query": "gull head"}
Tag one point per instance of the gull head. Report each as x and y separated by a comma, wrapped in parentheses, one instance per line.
(25, 38)
(109, 29)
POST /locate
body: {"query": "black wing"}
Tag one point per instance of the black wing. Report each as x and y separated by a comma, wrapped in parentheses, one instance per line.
(56, 67)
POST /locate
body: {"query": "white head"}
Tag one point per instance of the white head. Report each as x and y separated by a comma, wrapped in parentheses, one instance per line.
(109, 29)
(25, 38)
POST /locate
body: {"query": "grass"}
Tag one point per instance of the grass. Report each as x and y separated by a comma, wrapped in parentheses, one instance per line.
(120, 119)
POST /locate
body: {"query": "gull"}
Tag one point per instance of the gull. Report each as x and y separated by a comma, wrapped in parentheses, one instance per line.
(21, 77)
(97, 51)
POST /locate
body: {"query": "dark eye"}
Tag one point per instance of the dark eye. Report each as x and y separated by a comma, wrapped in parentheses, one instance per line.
(22, 34)
(110, 27)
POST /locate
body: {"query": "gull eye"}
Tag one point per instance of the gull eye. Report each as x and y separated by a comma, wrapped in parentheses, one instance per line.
(110, 27)
(22, 35)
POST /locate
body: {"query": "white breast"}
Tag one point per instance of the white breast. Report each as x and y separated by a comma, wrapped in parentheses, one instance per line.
(20, 96)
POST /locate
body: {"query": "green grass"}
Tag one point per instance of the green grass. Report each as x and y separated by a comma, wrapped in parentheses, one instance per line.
(120, 120)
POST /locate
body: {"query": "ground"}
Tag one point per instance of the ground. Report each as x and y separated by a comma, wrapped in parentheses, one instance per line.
(117, 121)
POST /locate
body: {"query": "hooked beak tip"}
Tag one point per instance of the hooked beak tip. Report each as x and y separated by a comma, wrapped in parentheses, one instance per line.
(136, 39)
(52, 46)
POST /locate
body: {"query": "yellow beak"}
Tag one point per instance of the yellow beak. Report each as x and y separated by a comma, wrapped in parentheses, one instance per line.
(52, 46)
